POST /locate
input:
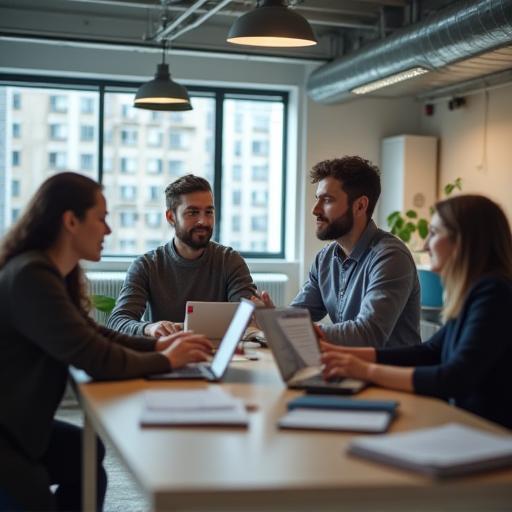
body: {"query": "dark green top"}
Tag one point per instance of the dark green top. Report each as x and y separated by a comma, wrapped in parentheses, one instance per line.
(42, 334)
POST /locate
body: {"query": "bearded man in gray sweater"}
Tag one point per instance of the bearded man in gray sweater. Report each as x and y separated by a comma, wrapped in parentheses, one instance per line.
(188, 267)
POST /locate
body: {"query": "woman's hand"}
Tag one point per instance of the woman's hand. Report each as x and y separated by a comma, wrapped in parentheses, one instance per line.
(166, 341)
(340, 363)
(367, 354)
(186, 347)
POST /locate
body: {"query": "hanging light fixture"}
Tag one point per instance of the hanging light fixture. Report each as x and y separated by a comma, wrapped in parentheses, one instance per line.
(272, 24)
(162, 93)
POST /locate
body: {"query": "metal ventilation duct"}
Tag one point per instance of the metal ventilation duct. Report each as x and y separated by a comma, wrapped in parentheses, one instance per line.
(460, 31)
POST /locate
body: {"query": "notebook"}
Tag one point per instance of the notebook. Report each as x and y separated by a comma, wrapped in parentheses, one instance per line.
(290, 336)
(341, 403)
(336, 419)
(321, 412)
(215, 370)
(209, 318)
(448, 450)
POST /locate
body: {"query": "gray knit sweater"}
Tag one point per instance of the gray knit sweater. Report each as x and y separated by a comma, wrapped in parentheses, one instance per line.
(162, 281)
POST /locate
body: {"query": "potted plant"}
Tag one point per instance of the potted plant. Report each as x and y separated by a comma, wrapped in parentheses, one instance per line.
(413, 230)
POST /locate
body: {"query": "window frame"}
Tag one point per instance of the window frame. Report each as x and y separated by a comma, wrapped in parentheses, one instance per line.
(219, 94)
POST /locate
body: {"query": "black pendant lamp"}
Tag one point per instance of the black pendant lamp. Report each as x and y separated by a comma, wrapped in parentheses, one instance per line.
(272, 24)
(162, 93)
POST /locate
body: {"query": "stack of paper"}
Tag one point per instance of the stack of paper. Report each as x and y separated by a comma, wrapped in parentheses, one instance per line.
(448, 450)
(208, 407)
(318, 412)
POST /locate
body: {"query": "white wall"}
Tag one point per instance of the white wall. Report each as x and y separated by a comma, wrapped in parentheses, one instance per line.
(354, 128)
(461, 149)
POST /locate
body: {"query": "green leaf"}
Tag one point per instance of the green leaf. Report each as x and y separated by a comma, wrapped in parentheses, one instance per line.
(458, 183)
(103, 303)
(405, 235)
(411, 214)
(448, 189)
(411, 227)
(392, 217)
(422, 228)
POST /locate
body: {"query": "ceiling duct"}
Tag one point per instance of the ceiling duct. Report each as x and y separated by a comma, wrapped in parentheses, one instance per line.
(463, 30)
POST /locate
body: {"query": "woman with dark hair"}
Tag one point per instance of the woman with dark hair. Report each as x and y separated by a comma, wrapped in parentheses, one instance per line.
(468, 360)
(46, 328)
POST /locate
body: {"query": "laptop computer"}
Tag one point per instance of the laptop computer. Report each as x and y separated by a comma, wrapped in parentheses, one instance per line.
(209, 318)
(215, 370)
(290, 336)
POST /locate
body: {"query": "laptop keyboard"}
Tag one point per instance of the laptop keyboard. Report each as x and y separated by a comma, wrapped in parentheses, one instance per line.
(318, 380)
(193, 371)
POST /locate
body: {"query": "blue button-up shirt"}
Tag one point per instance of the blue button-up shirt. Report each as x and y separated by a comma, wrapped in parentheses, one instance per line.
(372, 296)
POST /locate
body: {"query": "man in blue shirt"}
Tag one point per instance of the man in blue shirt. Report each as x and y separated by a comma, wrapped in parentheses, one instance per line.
(366, 279)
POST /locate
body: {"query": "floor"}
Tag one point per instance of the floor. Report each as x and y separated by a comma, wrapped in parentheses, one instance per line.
(123, 494)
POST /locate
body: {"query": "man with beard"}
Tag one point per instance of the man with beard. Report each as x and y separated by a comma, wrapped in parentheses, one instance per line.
(366, 279)
(188, 267)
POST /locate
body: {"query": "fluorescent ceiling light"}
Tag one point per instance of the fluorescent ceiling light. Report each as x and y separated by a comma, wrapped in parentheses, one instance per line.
(389, 80)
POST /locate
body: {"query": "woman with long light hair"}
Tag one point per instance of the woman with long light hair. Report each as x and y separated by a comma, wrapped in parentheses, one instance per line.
(46, 328)
(468, 360)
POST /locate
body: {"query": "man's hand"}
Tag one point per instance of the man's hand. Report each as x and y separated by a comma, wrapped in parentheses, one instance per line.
(163, 328)
(263, 300)
(186, 347)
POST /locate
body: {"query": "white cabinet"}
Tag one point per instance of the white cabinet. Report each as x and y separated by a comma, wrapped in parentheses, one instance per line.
(408, 175)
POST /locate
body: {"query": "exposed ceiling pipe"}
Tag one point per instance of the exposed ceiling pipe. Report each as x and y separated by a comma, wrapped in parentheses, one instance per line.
(198, 21)
(175, 23)
(460, 31)
(315, 15)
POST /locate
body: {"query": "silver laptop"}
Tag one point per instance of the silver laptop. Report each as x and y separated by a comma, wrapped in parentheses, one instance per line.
(209, 318)
(290, 336)
(215, 370)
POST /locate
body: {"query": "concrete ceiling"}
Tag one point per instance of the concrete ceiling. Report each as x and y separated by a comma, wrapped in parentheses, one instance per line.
(341, 26)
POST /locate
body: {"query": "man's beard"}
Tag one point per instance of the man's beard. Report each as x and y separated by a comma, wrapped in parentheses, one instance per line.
(187, 236)
(336, 228)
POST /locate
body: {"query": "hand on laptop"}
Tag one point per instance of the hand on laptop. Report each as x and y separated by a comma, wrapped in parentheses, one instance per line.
(263, 300)
(337, 364)
(347, 362)
(186, 347)
(162, 328)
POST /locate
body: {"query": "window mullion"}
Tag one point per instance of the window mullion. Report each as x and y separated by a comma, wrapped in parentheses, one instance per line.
(217, 182)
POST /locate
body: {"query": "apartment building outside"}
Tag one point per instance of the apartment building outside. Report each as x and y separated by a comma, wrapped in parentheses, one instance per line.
(44, 131)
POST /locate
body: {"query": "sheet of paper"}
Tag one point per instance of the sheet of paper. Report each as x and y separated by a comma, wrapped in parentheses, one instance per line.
(355, 421)
(212, 406)
(299, 332)
(210, 399)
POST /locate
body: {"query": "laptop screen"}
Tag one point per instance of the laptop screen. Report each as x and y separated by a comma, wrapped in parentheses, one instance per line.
(231, 338)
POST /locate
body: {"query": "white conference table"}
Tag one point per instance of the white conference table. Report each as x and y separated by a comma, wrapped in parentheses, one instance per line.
(264, 468)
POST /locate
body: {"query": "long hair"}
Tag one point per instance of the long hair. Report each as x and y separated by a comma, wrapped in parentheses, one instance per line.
(483, 246)
(39, 226)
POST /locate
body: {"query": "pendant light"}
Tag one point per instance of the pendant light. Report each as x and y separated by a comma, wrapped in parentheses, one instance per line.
(162, 93)
(272, 24)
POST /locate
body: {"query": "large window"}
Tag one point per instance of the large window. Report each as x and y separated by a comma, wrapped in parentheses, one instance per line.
(253, 157)
(234, 139)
